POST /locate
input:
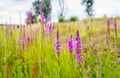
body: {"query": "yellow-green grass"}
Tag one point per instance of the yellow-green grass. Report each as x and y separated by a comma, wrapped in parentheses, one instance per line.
(39, 59)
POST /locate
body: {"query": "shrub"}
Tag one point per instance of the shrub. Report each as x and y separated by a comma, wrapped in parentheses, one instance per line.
(61, 19)
(73, 18)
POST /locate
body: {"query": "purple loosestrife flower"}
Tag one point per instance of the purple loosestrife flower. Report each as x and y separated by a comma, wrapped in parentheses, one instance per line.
(106, 38)
(43, 17)
(43, 21)
(50, 28)
(115, 25)
(29, 17)
(40, 6)
(29, 14)
(115, 28)
(22, 41)
(78, 43)
(79, 58)
(70, 45)
(58, 46)
(27, 21)
(28, 37)
(108, 22)
(108, 28)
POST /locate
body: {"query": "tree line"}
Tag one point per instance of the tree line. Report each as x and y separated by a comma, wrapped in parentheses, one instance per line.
(46, 8)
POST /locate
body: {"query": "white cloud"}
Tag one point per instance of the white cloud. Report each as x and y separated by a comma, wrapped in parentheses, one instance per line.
(108, 7)
(12, 8)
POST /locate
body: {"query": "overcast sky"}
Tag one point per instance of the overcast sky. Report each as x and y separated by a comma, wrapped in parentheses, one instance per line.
(11, 8)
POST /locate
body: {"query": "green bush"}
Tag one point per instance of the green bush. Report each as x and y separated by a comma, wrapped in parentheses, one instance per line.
(73, 18)
(1, 24)
(61, 19)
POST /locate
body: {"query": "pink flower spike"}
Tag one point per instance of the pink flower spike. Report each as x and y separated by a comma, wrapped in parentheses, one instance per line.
(79, 58)
(58, 46)
(40, 6)
(107, 38)
(108, 22)
(29, 14)
(50, 27)
(28, 37)
(70, 44)
(78, 43)
(22, 42)
(115, 25)
(43, 17)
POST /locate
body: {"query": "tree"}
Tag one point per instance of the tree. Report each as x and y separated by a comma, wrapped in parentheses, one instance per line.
(46, 8)
(36, 7)
(62, 8)
(89, 6)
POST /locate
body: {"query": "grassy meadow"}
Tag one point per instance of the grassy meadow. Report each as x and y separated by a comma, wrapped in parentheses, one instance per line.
(36, 57)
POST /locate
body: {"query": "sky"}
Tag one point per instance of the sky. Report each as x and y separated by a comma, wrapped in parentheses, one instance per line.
(10, 9)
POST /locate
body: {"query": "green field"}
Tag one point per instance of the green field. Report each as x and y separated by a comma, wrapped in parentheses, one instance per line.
(38, 59)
